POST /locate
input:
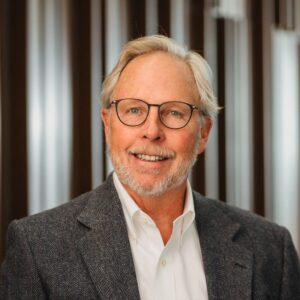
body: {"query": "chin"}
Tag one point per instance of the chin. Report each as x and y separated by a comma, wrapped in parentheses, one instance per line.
(157, 187)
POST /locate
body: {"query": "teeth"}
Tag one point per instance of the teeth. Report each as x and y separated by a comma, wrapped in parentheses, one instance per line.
(150, 157)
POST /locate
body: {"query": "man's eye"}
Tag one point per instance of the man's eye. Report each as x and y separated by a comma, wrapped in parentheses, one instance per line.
(134, 110)
(176, 114)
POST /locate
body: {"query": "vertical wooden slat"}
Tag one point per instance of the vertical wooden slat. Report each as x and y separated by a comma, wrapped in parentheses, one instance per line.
(136, 18)
(258, 100)
(222, 100)
(2, 59)
(164, 17)
(81, 87)
(298, 246)
(103, 60)
(284, 14)
(13, 114)
(196, 17)
(277, 12)
(1, 141)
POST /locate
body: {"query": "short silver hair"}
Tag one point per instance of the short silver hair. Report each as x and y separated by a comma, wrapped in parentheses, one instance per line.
(198, 65)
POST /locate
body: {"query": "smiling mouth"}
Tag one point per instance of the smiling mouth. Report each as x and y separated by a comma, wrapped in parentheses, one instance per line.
(155, 156)
(146, 157)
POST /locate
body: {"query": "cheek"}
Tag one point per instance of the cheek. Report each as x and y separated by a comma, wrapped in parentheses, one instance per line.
(120, 137)
(184, 144)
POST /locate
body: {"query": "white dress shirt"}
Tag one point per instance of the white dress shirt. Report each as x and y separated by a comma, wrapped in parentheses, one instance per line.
(165, 272)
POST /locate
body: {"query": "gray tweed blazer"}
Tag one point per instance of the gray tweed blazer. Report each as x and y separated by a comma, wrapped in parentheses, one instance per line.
(81, 250)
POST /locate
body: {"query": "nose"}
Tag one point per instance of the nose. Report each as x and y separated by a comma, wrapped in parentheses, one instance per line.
(153, 128)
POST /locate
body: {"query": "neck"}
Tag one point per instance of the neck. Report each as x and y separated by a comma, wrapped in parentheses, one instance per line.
(163, 209)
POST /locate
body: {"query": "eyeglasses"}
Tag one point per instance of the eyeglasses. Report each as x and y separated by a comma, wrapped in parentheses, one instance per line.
(172, 114)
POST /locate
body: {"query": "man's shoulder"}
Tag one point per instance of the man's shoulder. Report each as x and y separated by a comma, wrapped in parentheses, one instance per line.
(64, 216)
(59, 213)
(254, 225)
(231, 234)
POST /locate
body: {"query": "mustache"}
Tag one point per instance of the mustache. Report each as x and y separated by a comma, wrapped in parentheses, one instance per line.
(152, 150)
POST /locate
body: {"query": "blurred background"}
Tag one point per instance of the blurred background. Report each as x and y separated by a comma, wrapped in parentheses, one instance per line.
(55, 54)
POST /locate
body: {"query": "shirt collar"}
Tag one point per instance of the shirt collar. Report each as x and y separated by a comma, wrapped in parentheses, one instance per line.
(131, 209)
(129, 206)
(127, 202)
(188, 216)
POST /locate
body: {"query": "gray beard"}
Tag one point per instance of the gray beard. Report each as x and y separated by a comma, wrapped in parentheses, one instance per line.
(173, 178)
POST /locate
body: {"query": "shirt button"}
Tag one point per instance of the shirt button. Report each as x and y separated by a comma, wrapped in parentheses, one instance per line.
(163, 262)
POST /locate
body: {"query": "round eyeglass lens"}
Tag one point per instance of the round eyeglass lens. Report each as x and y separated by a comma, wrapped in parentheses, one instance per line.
(132, 112)
(175, 114)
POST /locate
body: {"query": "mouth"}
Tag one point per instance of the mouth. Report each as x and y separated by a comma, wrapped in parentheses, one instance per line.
(151, 157)
(146, 157)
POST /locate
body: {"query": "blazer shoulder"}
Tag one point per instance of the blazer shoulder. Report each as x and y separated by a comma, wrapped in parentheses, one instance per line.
(257, 227)
(70, 210)
(275, 264)
(58, 214)
(62, 218)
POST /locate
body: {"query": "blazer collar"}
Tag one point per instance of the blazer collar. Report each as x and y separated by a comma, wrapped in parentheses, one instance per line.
(106, 248)
(227, 263)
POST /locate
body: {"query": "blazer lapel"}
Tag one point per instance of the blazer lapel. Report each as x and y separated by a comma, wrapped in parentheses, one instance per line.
(227, 263)
(105, 248)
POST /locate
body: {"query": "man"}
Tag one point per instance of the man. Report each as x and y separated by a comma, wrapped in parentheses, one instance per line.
(144, 234)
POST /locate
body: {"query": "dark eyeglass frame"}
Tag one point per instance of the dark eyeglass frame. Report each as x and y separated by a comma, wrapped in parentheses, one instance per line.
(191, 106)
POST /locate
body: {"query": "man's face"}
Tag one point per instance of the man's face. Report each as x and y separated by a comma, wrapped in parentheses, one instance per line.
(150, 159)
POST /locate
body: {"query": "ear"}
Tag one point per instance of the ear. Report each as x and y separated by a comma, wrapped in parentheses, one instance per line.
(205, 131)
(105, 116)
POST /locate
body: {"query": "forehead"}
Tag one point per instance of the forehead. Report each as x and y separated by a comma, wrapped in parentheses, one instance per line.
(157, 75)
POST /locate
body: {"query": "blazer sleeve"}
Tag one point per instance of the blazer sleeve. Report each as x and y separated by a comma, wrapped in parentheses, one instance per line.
(290, 285)
(19, 275)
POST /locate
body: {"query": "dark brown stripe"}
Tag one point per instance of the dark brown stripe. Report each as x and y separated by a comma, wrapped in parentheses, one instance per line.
(277, 12)
(198, 175)
(284, 14)
(13, 108)
(103, 62)
(3, 226)
(136, 18)
(164, 17)
(81, 83)
(196, 14)
(222, 102)
(299, 143)
(257, 91)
